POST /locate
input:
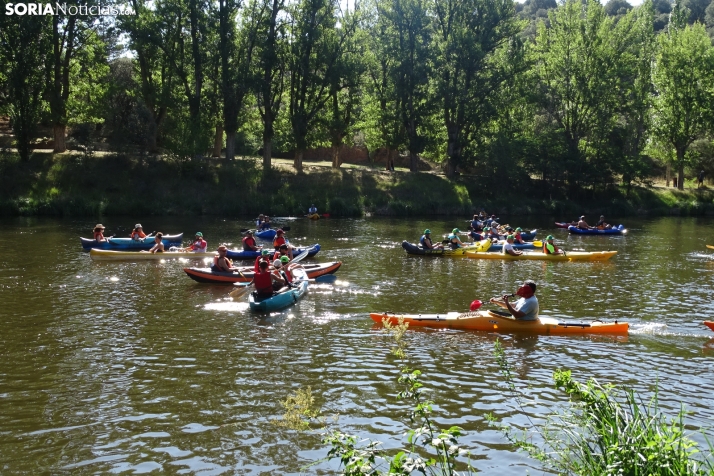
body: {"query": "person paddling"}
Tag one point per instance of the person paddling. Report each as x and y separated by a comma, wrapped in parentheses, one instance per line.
(263, 281)
(281, 240)
(517, 238)
(138, 233)
(582, 224)
(526, 308)
(312, 210)
(221, 263)
(602, 224)
(99, 233)
(264, 256)
(427, 244)
(549, 247)
(249, 243)
(508, 247)
(454, 240)
(199, 245)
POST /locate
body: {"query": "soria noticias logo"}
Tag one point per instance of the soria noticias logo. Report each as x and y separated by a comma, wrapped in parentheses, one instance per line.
(64, 9)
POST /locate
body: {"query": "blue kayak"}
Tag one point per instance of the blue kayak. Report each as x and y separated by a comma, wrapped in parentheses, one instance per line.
(266, 234)
(127, 244)
(235, 254)
(284, 299)
(615, 230)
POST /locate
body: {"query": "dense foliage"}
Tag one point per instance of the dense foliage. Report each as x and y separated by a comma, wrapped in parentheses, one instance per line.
(564, 97)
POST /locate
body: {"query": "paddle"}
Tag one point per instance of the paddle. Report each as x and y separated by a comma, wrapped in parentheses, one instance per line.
(711, 247)
(242, 290)
(301, 256)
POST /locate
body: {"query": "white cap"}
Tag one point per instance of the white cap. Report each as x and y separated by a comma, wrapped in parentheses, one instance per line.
(277, 263)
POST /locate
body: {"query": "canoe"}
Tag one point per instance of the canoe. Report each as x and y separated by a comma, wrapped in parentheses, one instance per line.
(129, 244)
(283, 299)
(619, 230)
(313, 216)
(709, 324)
(111, 255)
(266, 234)
(205, 275)
(239, 254)
(413, 249)
(540, 256)
(493, 322)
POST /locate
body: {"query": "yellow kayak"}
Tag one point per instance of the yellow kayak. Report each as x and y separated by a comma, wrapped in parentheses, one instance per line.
(111, 255)
(493, 322)
(538, 255)
(313, 216)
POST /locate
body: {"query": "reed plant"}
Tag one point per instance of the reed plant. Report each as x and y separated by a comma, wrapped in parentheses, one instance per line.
(607, 431)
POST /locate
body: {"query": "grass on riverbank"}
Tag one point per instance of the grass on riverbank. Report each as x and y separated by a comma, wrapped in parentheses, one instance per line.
(80, 185)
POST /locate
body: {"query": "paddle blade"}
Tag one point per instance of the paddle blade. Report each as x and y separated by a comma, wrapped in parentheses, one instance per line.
(240, 291)
(301, 256)
(537, 243)
(711, 247)
(475, 305)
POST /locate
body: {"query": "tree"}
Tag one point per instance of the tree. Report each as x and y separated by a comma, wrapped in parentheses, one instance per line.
(24, 44)
(617, 8)
(468, 33)
(683, 77)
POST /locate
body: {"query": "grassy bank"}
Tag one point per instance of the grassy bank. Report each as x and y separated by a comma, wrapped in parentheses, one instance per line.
(79, 185)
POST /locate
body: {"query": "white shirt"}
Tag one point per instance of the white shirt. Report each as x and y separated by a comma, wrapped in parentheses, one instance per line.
(507, 247)
(529, 306)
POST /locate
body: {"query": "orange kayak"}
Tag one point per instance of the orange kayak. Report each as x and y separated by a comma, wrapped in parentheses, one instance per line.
(492, 322)
(709, 324)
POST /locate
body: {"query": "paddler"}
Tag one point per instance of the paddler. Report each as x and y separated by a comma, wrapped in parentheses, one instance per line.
(602, 225)
(249, 243)
(265, 224)
(265, 281)
(158, 244)
(221, 263)
(526, 308)
(517, 236)
(312, 210)
(281, 240)
(99, 233)
(264, 256)
(199, 245)
(508, 247)
(454, 240)
(549, 247)
(138, 233)
(281, 269)
(426, 242)
(582, 224)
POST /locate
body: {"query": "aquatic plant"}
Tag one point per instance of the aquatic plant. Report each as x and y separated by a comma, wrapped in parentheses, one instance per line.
(607, 430)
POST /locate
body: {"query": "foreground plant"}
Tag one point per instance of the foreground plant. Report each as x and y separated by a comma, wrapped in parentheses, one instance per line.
(429, 450)
(608, 431)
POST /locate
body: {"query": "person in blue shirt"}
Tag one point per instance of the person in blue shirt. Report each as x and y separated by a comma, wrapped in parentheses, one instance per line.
(427, 244)
(312, 210)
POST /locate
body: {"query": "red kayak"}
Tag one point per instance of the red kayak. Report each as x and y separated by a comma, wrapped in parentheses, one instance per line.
(205, 275)
(709, 324)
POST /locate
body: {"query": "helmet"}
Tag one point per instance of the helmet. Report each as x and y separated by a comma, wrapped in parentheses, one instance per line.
(509, 237)
(549, 237)
(427, 231)
(198, 233)
(284, 259)
(138, 225)
(519, 229)
(265, 252)
(455, 231)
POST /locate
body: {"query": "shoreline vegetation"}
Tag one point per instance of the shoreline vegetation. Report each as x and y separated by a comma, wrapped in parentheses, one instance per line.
(80, 184)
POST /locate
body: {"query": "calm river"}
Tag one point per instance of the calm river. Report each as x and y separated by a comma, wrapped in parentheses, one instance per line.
(132, 367)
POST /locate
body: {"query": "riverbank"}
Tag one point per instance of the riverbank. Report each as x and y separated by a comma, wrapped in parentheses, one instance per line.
(75, 184)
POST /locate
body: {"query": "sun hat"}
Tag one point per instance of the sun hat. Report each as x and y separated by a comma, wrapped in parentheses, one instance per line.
(198, 233)
(582, 217)
(138, 225)
(427, 231)
(249, 232)
(277, 263)
(223, 248)
(284, 259)
(98, 225)
(279, 231)
(519, 229)
(549, 237)
(455, 231)
(265, 252)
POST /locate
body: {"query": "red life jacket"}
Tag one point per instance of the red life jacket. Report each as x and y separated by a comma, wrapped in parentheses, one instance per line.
(249, 241)
(98, 236)
(278, 241)
(263, 283)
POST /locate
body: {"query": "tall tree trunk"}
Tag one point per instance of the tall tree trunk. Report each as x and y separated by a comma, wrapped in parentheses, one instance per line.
(218, 140)
(413, 162)
(453, 150)
(680, 163)
(230, 145)
(668, 173)
(267, 152)
(297, 162)
(58, 131)
(336, 156)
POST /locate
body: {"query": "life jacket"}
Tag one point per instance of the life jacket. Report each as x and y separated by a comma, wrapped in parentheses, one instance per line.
(135, 235)
(215, 266)
(547, 251)
(248, 241)
(199, 245)
(279, 240)
(98, 235)
(424, 245)
(263, 283)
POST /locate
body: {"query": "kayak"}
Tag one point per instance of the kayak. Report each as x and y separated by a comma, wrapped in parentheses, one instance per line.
(205, 275)
(129, 244)
(618, 230)
(281, 300)
(111, 255)
(709, 324)
(313, 216)
(538, 255)
(266, 234)
(497, 247)
(413, 249)
(495, 322)
(239, 254)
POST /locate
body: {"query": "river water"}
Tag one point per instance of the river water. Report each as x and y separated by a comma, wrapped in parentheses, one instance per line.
(110, 367)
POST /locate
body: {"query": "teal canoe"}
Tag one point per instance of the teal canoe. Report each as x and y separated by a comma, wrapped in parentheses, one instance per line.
(284, 299)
